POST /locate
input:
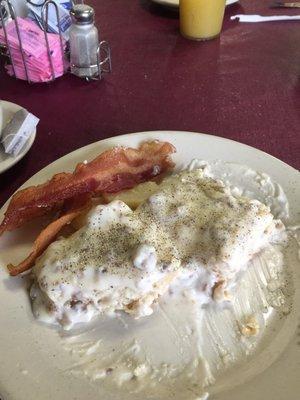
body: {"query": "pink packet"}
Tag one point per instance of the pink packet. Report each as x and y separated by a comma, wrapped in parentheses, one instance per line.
(33, 76)
(41, 63)
(36, 68)
(40, 68)
(33, 38)
(55, 53)
(32, 69)
(35, 52)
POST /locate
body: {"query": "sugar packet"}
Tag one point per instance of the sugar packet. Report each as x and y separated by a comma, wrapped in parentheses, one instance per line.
(64, 19)
(16, 133)
(33, 38)
(35, 52)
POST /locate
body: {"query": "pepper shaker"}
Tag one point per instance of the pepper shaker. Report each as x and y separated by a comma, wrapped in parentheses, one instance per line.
(84, 42)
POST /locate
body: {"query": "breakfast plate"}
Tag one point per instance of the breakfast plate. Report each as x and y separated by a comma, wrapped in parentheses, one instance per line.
(175, 3)
(7, 109)
(52, 364)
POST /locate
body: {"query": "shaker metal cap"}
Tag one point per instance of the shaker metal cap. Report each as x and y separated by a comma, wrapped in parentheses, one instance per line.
(82, 14)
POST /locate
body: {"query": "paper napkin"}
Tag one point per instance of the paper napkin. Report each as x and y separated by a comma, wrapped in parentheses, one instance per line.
(17, 131)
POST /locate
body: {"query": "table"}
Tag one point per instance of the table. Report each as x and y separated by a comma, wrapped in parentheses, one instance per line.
(243, 86)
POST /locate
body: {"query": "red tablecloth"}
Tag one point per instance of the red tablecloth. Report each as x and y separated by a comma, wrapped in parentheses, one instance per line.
(244, 86)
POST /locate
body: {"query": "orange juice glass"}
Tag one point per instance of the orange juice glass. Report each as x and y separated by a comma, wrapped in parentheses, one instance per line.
(201, 19)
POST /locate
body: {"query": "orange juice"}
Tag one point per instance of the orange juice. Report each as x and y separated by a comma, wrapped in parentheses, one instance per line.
(201, 19)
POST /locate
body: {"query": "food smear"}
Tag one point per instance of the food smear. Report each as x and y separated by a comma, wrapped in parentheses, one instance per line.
(186, 351)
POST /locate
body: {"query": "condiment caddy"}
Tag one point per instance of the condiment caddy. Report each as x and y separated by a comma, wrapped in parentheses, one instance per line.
(59, 41)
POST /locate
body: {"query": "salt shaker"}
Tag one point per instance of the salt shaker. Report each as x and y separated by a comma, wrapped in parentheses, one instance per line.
(84, 42)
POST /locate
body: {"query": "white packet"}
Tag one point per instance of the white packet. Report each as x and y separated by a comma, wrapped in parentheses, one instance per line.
(53, 26)
(16, 133)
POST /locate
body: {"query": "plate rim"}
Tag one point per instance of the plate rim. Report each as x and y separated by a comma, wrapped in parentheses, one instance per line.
(176, 132)
(126, 137)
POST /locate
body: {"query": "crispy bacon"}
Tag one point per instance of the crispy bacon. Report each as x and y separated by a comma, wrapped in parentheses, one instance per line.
(114, 170)
(72, 210)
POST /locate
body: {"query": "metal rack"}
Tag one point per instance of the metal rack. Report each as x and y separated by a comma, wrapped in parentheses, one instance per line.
(103, 51)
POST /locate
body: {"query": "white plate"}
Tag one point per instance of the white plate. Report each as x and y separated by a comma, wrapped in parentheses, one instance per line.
(35, 365)
(7, 110)
(175, 3)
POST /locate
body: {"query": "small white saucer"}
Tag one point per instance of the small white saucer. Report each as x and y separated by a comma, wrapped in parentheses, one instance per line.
(7, 110)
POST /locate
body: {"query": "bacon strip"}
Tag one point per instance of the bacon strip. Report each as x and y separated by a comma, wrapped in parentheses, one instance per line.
(114, 170)
(49, 234)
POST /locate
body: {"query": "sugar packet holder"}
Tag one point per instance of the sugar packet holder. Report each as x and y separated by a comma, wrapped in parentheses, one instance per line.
(103, 51)
(18, 38)
(16, 133)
